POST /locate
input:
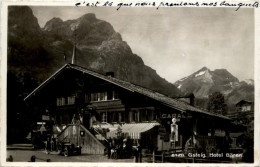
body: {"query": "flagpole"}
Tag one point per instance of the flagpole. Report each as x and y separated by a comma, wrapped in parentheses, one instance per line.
(73, 60)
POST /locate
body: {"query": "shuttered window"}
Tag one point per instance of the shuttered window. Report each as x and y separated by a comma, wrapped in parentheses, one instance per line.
(71, 100)
(94, 96)
(61, 101)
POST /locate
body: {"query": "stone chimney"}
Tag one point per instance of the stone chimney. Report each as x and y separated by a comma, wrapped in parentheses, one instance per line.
(188, 98)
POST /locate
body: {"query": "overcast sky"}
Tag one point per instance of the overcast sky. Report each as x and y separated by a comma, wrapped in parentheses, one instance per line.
(178, 41)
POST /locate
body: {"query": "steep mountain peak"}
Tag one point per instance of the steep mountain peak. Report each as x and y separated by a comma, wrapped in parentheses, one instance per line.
(89, 17)
(204, 68)
(99, 47)
(54, 22)
(21, 18)
(56, 19)
(204, 81)
(204, 71)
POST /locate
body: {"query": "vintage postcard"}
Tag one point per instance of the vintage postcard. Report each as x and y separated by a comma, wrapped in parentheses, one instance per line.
(106, 83)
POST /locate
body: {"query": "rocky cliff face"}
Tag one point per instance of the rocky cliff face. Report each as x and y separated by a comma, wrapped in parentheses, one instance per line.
(98, 47)
(26, 44)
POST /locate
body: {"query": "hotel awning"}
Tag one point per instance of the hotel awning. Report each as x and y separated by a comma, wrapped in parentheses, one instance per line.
(133, 130)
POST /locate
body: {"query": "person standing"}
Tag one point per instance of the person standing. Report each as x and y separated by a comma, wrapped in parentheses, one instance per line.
(140, 152)
(109, 147)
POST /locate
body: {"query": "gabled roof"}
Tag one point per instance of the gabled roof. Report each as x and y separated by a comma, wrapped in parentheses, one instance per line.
(244, 101)
(173, 103)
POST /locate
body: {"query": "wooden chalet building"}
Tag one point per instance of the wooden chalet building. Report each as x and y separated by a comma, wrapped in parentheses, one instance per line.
(101, 102)
(245, 106)
(244, 112)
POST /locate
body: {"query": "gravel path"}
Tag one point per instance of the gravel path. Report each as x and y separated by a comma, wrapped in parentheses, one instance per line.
(25, 156)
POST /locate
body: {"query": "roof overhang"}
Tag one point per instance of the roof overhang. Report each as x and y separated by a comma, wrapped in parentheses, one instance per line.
(163, 99)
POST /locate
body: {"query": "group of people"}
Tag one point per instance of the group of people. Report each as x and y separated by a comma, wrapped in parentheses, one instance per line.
(119, 148)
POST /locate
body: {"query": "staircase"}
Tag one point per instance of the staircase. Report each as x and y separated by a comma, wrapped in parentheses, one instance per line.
(78, 135)
(99, 136)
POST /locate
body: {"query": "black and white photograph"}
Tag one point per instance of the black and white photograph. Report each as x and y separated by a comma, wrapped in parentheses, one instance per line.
(129, 85)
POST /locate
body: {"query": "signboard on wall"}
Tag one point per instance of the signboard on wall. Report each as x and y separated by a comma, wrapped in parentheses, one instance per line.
(41, 123)
(170, 116)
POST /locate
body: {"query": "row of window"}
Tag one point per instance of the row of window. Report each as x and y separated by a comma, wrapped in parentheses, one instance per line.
(142, 115)
(99, 96)
(103, 96)
(65, 100)
(112, 117)
(134, 116)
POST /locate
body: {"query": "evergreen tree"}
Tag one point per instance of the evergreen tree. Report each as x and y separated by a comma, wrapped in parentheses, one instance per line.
(19, 117)
(217, 104)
